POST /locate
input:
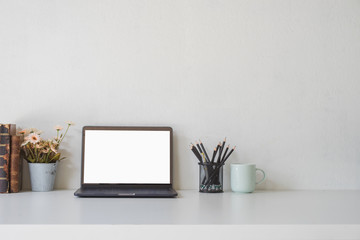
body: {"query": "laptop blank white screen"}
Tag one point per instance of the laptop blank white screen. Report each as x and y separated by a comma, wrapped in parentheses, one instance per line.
(127, 157)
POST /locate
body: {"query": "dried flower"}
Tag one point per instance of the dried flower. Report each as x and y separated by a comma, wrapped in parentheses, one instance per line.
(37, 150)
(45, 150)
(53, 148)
(34, 130)
(58, 128)
(22, 132)
(25, 142)
(34, 138)
(70, 123)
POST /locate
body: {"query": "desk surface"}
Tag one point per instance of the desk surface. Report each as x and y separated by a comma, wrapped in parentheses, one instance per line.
(191, 207)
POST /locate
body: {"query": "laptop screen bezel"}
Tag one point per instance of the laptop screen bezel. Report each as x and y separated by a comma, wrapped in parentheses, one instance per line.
(126, 128)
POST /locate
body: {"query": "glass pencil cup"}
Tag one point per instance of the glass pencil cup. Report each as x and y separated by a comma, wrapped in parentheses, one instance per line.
(210, 177)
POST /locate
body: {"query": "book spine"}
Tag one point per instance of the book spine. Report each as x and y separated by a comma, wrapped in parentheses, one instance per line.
(15, 165)
(12, 129)
(4, 157)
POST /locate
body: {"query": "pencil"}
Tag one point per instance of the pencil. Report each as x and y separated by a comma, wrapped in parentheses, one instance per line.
(217, 149)
(228, 154)
(205, 169)
(203, 148)
(226, 150)
(193, 148)
(213, 156)
(216, 170)
(203, 157)
(199, 148)
(221, 149)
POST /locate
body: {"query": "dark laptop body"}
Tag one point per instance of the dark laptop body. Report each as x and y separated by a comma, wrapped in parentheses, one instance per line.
(158, 183)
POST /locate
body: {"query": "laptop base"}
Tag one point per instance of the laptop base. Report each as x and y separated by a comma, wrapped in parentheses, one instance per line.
(127, 192)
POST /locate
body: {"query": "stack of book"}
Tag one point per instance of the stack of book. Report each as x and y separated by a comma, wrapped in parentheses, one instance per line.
(10, 160)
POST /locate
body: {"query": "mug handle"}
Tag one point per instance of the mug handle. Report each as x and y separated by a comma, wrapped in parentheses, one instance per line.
(258, 169)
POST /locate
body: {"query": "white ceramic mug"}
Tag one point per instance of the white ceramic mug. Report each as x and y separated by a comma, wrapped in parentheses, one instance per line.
(243, 177)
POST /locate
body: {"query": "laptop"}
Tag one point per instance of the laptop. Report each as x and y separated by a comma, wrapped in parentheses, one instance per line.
(126, 162)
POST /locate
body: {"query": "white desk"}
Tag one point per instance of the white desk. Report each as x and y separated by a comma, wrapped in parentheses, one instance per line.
(306, 214)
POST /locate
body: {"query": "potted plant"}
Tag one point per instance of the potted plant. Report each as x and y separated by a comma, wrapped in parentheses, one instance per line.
(43, 157)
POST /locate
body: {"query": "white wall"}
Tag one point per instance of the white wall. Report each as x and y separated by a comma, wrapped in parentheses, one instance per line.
(279, 79)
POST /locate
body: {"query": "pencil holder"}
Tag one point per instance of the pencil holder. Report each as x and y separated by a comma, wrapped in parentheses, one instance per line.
(211, 177)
